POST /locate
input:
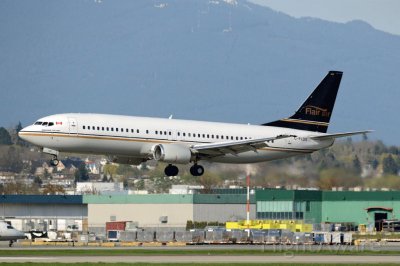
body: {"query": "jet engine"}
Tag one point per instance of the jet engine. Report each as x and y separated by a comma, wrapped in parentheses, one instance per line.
(172, 153)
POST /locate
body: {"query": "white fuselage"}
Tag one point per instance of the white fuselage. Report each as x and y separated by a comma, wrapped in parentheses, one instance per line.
(9, 233)
(134, 137)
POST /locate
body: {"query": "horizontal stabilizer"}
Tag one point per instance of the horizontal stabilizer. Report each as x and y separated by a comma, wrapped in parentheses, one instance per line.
(339, 135)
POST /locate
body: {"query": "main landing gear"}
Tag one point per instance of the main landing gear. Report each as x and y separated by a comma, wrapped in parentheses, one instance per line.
(171, 170)
(195, 170)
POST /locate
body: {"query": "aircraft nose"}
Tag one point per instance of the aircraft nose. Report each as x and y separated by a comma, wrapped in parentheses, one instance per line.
(23, 133)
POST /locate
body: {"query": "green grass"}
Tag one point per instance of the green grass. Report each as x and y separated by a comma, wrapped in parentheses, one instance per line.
(335, 250)
(181, 264)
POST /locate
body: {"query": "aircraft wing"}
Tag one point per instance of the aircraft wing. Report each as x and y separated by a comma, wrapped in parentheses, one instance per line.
(339, 135)
(233, 147)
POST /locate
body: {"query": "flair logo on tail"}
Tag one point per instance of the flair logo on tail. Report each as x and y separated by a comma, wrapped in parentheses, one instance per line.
(316, 111)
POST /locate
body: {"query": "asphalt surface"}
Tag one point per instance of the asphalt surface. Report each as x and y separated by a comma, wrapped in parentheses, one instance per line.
(285, 254)
(206, 259)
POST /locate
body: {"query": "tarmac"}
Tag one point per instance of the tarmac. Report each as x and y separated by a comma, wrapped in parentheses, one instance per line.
(205, 259)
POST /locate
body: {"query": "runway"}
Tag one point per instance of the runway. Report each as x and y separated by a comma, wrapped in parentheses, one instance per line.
(206, 259)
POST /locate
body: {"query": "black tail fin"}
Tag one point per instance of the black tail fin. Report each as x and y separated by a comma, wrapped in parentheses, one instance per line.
(315, 113)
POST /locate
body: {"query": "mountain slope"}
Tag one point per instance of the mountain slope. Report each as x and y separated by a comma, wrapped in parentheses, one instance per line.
(206, 60)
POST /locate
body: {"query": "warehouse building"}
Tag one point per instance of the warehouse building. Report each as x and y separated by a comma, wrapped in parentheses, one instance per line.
(347, 207)
(43, 213)
(91, 212)
(166, 210)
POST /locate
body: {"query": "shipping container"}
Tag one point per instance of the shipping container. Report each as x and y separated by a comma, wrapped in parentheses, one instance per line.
(258, 236)
(165, 236)
(238, 236)
(198, 236)
(184, 236)
(61, 224)
(119, 226)
(217, 236)
(309, 238)
(337, 238)
(273, 236)
(347, 238)
(145, 236)
(299, 238)
(127, 236)
(323, 238)
(113, 235)
(286, 236)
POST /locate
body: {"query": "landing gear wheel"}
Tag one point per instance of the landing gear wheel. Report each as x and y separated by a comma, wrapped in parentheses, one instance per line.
(54, 162)
(10, 244)
(171, 170)
(197, 170)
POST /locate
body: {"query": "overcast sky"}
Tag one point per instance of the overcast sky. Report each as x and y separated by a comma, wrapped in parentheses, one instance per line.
(381, 14)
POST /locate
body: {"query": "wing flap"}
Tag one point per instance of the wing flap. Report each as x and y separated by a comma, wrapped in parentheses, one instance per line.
(339, 135)
(234, 147)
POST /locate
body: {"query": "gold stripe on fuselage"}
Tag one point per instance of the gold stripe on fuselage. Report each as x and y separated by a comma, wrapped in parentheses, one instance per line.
(75, 135)
(308, 122)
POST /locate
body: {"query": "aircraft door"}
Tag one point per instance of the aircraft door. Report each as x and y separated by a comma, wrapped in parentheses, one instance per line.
(73, 125)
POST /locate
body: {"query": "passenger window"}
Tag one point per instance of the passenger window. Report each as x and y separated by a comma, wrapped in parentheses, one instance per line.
(102, 128)
(84, 127)
(112, 129)
(184, 134)
(179, 133)
(169, 133)
(241, 138)
(108, 128)
(208, 136)
(188, 134)
(98, 128)
(156, 132)
(212, 136)
(217, 136)
(137, 130)
(147, 131)
(116, 129)
(204, 135)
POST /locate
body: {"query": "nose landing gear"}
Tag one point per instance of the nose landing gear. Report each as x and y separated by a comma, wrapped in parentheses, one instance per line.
(54, 161)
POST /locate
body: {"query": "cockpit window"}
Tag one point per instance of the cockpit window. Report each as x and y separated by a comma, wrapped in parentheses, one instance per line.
(44, 123)
(51, 124)
(10, 227)
(38, 123)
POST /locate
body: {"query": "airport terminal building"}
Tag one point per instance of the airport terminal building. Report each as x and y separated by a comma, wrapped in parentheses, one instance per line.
(91, 212)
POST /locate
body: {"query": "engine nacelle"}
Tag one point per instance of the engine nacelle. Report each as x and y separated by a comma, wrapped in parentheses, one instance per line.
(172, 153)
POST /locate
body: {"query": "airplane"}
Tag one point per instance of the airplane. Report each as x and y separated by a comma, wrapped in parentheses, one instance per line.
(133, 140)
(9, 233)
